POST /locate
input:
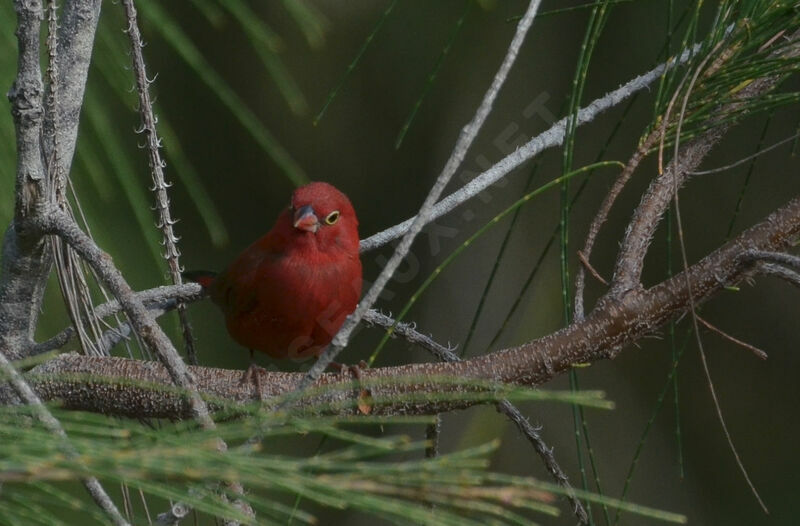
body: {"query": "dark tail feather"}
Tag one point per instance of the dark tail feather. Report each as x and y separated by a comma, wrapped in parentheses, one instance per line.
(204, 277)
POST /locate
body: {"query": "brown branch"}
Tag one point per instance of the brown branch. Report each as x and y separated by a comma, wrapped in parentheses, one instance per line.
(616, 321)
(713, 328)
(662, 190)
(602, 214)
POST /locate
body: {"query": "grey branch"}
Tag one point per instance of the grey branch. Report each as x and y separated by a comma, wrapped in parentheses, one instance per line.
(771, 269)
(424, 216)
(548, 139)
(157, 164)
(26, 259)
(60, 224)
(776, 263)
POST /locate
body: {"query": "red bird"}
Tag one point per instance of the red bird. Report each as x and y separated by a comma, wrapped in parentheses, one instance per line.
(289, 292)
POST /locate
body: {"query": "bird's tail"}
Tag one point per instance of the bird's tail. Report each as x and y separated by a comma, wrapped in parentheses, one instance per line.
(204, 277)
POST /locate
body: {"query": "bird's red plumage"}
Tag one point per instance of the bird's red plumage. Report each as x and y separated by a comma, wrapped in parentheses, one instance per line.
(289, 292)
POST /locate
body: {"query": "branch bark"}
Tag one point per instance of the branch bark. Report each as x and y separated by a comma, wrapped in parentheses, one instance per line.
(141, 389)
(26, 259)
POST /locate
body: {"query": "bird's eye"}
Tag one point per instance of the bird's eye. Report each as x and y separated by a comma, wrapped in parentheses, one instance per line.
(332, 218)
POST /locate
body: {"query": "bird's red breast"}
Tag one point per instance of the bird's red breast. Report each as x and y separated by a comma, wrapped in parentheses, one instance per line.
(289, 292)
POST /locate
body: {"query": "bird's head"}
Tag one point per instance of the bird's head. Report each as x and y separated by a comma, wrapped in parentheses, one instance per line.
(321, 214)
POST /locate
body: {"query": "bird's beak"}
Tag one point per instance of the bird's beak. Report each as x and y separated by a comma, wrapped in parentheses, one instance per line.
(306, 219)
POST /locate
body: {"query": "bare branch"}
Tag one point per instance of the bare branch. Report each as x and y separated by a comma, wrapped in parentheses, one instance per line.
(781, 258)
(157, 171)
(752, 348)
(548, 139)
(770, 269)
(424, 216)
(25, 256)
(60, 224)
(661, 191)
(615, 322)
(599, 219)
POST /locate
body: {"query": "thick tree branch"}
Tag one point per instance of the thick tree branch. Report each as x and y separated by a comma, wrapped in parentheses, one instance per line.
(60, 224)
(616, 321)
(25, 256)
(663, 188)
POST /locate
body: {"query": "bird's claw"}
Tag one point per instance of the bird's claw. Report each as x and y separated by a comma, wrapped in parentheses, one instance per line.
(354, 370)
(364, 395)
(253, 374)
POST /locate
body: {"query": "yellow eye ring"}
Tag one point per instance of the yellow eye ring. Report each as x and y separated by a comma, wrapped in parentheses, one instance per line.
(332, 218)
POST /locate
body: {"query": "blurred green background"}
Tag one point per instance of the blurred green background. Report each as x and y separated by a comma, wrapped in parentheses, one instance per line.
(238, 89)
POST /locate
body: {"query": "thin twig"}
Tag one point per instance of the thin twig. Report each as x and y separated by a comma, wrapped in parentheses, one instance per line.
(157, 164)
(752, 348)
(593, 271)
(748, 158)
(156, 298)
(468, 134)
(64, 226)
(548, 139)
(770, 269)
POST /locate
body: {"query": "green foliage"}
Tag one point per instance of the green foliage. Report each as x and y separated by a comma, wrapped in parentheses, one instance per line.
(379, 475)
(745, 43)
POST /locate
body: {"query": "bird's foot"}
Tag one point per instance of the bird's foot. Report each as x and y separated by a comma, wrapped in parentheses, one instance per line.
(253, 374)
(355, 370)
(364, 395)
